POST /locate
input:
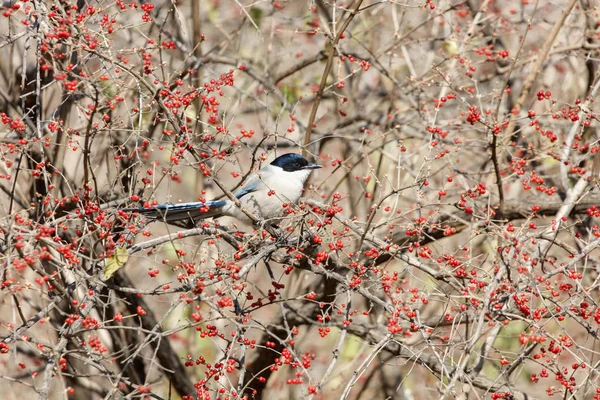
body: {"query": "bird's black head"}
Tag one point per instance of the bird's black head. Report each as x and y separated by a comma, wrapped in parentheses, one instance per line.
(293, 162)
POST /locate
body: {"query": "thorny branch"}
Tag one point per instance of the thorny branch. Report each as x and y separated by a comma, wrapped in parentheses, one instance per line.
(441, 247)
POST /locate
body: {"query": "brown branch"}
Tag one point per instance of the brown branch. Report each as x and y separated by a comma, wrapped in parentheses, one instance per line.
(300, 66)
(536, 67)
(432, 364)
(319, 94)
(262, 358)
(170, 362)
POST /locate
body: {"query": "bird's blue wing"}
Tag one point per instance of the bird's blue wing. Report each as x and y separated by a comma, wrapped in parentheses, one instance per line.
(252, 184)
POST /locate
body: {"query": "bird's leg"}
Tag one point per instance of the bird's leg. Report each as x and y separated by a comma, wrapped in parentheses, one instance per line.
(269, 270)
(260, 224)
(305, 233)
(275, 223)
(272, 223)
(237, 308)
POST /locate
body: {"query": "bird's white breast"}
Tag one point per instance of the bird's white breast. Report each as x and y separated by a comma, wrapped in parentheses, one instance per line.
(276, 188)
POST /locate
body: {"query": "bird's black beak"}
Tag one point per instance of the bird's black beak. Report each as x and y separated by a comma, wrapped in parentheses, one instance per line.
(313, 166)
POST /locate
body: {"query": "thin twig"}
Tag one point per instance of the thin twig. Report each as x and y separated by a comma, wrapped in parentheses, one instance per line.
(333, 45)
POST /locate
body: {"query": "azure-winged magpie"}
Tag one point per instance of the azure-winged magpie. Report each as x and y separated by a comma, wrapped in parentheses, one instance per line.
(263, 194)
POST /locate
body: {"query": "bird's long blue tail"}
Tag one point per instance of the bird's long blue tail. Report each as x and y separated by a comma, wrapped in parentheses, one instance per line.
(183, 211)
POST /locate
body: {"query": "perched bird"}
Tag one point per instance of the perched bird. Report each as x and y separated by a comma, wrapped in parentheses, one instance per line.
(263, 195)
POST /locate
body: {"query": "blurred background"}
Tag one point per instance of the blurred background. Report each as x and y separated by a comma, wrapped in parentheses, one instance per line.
(447, 249)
